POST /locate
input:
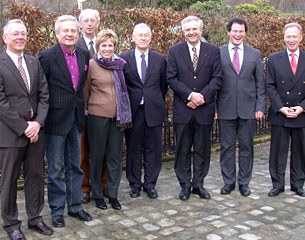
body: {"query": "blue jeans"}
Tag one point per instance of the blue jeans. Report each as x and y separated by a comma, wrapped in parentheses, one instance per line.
(63, 155)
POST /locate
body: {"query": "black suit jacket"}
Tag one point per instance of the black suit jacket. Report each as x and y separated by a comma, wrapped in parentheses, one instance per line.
(16, 102)
(183, 80)
(82, 43)
(153, 90)
(65, 102)
(285, 89)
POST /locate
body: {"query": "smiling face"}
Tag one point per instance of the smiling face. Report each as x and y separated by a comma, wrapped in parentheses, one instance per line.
(293, 37)
(142, 38)
(15, 38)
(192, 32)
(68, 34)
(237, 34)
(106, 48)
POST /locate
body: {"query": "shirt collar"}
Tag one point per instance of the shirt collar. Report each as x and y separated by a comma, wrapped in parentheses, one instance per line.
(138, 53)
(240, 46)
(13, 55)
(296, 53)
(66, 51)
(87, 40)
(197, 46)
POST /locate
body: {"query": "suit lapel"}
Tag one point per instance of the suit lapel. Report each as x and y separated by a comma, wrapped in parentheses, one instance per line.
(151, 59)
(186, 56)
(62, 64)
(202, 55)
(29, 65)
(301, 65)
(133, 65)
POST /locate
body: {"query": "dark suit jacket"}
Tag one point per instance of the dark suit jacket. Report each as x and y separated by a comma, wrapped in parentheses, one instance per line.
(285, 89)
(64, 101)
(183, 80)
(82, 43)
(244, 94)
(16, 102)
(153, 90)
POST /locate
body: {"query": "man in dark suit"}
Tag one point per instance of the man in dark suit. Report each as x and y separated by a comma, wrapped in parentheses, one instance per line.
(147, 88)
(23, 109)
(65, 66)
(240, 102)
(194, 73)
(286, 89)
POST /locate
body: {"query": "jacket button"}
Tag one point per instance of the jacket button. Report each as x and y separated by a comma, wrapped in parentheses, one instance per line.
(288, 93)
(283, 81)
(195, 77)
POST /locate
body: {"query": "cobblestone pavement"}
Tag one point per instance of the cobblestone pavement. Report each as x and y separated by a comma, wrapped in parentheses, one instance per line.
(222, 217)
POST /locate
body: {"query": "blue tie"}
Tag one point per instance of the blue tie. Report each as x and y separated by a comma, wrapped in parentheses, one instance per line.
(143, 67)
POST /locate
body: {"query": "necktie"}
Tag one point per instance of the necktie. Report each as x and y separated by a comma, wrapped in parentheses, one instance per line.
(143, 67)
(91, 49)
(236, 60)
(22, 73)
(195, 59)
(293, 63)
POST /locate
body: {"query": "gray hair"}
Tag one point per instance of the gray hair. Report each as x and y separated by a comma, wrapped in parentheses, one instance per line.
(6, 28)
(89, 11)
(141, 26)
(65, 18)
(191, 19)
(293, 24)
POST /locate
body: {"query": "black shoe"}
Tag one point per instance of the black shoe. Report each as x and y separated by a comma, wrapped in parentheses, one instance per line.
(115, 204)
(85, 197)
(151, 193)
(185, 194)
(135, 192)
(16, 235)
(58, 221)
(41, 228)
(244, 190)
(275, 191)
(81, 215)
(227, 189)
(100, 203)
(298, 190)
(201, 192)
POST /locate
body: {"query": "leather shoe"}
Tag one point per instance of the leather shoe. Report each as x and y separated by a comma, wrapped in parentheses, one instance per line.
(100, 203)
(244, 190)
(81, 215)
(151, 193)
(299, 191)
(85, 197)
(227, 189)
(275, 191)
(201, 192)
(135, 192)
(115, 204)
(58, 221)
(41, 228)
(16, 235)
(185, 194)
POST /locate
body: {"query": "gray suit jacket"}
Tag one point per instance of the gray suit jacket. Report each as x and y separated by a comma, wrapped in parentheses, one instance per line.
(16, 102)
(241, 95)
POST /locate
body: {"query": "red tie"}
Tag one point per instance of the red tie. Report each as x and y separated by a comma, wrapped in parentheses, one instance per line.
(293, 63)
(236, 61)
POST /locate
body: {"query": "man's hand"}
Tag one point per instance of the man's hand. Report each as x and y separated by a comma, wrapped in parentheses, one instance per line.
(197, 99)
(32, 131)
(291, 112)
(259, 115)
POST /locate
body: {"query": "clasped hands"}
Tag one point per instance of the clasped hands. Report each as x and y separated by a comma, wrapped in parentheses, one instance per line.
(292, 112)
(196, 100)
(32, 131)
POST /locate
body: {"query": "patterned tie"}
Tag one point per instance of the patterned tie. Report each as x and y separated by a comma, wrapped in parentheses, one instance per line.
(293, 63)
(195, 59)
(143, 68)
(91, 50)
(22, 73)
(236, 60)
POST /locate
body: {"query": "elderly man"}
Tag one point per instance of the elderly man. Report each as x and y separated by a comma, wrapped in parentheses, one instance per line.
(194, 73)
(23, 110)
(65, 66)
(145, 77)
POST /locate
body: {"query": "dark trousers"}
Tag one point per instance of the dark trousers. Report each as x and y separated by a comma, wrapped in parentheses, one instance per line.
(31, 158)
(280, 138)
(230, 131)
(143, 148)
(199, 137)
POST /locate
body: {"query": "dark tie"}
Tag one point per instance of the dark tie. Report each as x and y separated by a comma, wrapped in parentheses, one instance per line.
(22, 73)
(91, 49)
(143, 68)
(236, 60)
(195, 59)
(293, 63)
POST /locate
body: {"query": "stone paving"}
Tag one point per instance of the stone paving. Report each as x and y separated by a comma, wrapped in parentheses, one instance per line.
(222, 217)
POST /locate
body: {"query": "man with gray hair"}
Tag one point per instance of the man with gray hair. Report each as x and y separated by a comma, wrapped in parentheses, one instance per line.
(23, 109)
(145, 78)
(66, 67)
(194, 72)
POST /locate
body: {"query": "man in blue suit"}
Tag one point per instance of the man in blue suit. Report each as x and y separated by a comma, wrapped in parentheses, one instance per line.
(194, 73)
(147, 89)
(240, 102)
